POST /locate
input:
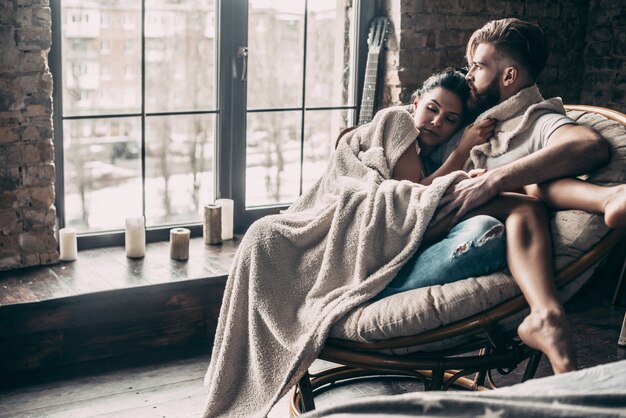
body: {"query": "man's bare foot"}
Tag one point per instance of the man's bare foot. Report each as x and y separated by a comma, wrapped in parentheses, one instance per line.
(548, 332)
(615, 209)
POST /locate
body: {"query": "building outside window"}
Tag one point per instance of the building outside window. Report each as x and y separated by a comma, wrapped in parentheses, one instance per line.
(140, 122)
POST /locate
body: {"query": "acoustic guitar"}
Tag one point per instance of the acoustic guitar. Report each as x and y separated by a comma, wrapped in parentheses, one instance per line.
(375, 41)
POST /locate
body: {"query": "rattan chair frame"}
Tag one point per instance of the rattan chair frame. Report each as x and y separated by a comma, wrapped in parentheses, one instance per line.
(439, 370)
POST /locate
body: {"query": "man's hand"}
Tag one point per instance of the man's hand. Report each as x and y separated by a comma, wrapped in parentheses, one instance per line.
(466, 195)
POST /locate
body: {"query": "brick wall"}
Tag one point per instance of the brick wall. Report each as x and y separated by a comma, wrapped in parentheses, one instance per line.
(432, 34)
(605, 55)
(27, 213)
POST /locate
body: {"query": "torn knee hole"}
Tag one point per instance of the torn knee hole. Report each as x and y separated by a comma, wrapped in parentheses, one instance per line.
(492, 233)
(495, 232)
(462, 249)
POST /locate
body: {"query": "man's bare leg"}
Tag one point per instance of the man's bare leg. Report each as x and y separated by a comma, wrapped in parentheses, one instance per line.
(529, 256)
(615, 208)
(571, 193)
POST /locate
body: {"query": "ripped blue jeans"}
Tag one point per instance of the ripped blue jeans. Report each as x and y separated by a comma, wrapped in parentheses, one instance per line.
(474, 247)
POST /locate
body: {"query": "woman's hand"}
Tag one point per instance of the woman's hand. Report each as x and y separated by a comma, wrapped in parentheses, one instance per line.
(477, 133)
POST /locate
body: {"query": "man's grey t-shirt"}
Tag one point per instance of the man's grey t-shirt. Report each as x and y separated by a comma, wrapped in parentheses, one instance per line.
(526, 143)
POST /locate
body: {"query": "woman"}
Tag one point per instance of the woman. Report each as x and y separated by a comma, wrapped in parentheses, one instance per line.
(439, 112)
(439, 109)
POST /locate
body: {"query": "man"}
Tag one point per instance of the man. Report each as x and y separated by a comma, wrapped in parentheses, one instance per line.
(559, 147)
(535, 143)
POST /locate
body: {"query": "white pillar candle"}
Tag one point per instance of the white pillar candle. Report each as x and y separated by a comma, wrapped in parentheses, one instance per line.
(227, 206)
(68, 249)
(135, 237)
(179, 243)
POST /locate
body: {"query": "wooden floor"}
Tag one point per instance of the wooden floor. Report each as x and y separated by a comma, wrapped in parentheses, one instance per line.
(173, 387)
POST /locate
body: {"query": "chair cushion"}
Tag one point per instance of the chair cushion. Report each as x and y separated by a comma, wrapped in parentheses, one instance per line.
(413, 312)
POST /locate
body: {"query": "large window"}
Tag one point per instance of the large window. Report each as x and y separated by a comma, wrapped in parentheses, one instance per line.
(303, 51)
(161, 106)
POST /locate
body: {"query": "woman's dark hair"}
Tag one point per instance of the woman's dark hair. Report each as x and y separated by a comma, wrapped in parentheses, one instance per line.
(450, 79)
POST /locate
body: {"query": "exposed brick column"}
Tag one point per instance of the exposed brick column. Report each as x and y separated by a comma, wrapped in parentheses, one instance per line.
(27, 212)
(605, 56)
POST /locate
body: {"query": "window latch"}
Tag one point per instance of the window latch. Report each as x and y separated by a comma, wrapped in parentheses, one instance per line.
(242, 54)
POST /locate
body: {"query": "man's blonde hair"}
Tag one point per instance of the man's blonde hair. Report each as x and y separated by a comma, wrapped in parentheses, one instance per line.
(521, 41)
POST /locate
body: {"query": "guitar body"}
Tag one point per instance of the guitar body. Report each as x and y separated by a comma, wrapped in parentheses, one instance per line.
(375, 40)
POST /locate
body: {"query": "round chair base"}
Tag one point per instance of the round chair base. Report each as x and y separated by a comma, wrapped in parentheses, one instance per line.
(433, 373)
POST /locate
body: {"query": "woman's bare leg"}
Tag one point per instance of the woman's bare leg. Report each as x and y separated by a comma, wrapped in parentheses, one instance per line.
(529, 256)
(571, 193)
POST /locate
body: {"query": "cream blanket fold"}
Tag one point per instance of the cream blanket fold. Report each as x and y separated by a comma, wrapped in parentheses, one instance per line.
(296, 273)
(514, 116)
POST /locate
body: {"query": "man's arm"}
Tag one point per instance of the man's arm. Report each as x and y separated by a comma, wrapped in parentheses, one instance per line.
(572, 150)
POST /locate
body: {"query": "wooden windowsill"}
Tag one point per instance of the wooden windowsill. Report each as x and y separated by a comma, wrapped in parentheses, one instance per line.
(108, 269)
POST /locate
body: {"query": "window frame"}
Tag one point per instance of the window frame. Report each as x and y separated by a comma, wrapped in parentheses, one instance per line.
(364, 12)
(229, 166)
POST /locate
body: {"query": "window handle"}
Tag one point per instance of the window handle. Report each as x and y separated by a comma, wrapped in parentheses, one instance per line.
(242, 54)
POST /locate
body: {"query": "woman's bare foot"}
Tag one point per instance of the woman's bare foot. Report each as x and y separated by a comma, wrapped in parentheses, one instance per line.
(615, 209)
(548, 332)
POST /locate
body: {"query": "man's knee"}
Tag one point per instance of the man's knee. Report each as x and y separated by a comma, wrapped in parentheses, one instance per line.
(535, 207)
(530, 204)
(528, 217)
(600, 148)
(535, 190)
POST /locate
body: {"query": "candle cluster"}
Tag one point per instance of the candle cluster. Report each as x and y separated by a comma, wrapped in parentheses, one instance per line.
(217, 227)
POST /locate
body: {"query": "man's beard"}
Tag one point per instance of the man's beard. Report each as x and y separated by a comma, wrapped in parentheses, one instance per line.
(479, 102)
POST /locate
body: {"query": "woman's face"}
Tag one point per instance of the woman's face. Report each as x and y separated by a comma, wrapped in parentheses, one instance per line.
(437, 116)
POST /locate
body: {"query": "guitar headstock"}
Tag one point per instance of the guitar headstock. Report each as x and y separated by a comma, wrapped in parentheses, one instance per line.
(378, 33)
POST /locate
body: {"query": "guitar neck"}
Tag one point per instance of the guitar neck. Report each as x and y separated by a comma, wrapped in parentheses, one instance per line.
(369, 88)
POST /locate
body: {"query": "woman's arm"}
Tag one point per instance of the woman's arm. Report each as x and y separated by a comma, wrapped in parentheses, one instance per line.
(474, 134)
(409, 166)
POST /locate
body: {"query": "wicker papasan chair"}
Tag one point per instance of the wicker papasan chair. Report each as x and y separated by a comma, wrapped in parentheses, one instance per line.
(456, 334)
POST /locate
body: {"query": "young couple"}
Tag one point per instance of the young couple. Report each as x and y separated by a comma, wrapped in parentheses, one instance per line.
(525, 153)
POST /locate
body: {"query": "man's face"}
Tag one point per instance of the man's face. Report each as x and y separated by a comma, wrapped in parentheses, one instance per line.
(484, 79)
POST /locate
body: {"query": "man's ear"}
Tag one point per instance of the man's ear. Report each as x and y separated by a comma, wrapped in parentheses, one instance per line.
(509, 76)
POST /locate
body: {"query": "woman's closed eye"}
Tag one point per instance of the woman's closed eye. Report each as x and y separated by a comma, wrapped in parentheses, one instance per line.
(452, 120)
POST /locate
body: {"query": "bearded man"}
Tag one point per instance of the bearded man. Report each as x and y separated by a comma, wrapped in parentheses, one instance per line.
(536, 149)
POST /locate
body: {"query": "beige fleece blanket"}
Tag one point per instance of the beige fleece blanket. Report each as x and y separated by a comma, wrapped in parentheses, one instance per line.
(514, 116)
(297, 273)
